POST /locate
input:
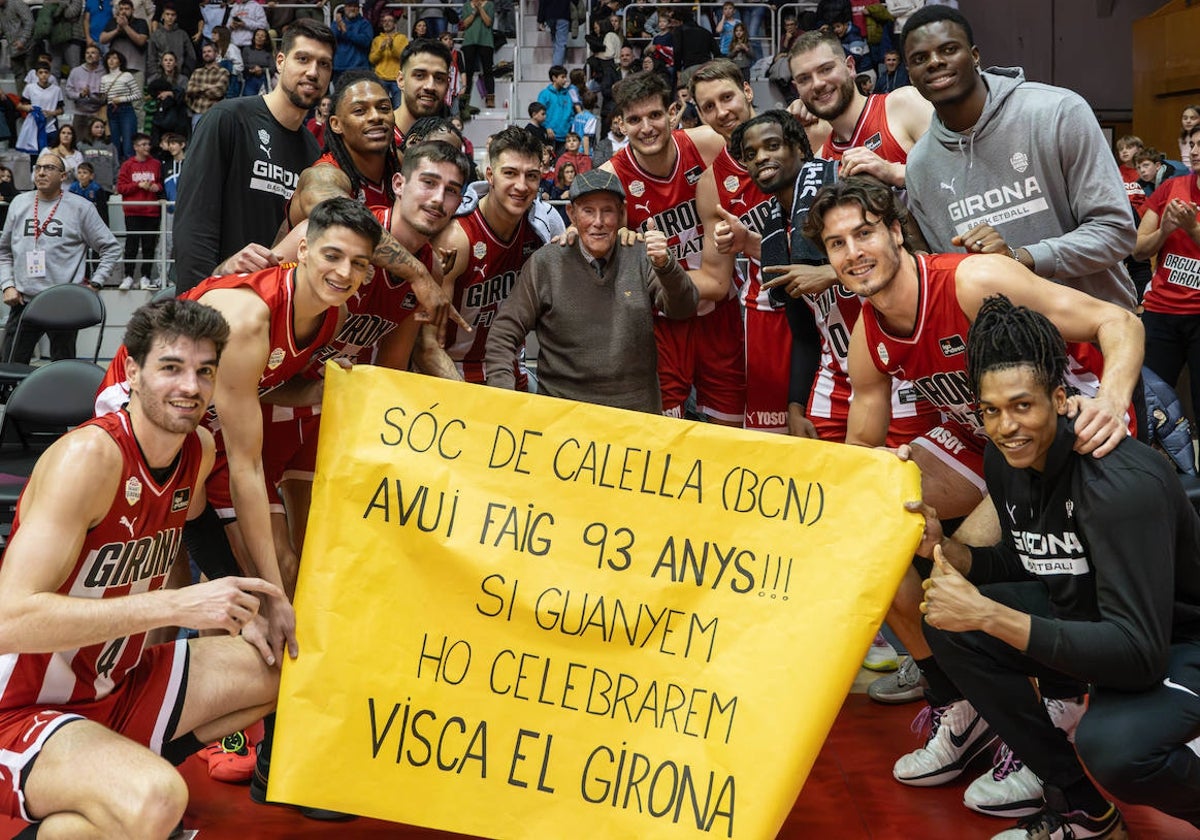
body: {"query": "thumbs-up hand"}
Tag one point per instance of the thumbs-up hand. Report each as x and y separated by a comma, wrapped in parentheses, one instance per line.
(951, 601)
(729, 233)
(656, 245)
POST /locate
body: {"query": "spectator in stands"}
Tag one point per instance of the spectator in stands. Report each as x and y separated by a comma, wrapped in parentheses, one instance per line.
(559, 111)
(167, 37)
(626, 62)
(207, 86)
(16, 27)
(456, 88)
(723, 28)
(537, 125)
(1153, 168)
(1189, 119)
(212, 15)
(478, 46)
(41, 103)
(245, 18)
(84, 90)
(742, 51)
(35, 255)
(556, 16)
(694, 45)
(68, 150)
(354, 35)
(140, 183)
(168, 89)
(122, 92)
(42, 57)
(610, 143)
(385, 54)
(574, 155)
(8, 191)
(99, 151)
(431, 22)
(229, 56)
(1127, 148)
(892, 74)
(127, 35)
(316, 123)
(258, 60)
(587, 123)
(96, 15)
(85, 186)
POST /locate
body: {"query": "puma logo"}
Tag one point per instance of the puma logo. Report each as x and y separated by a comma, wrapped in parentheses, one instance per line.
(643, 207)
(1012, 512)
(266, 150)
(949, 187)
(739, 200)
(128, 523)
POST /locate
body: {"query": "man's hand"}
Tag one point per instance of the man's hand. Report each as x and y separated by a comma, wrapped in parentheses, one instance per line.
(281, 627)
(656, 246)
(951, 601)
(1099, 426)
(799, 425)
(730, 233)
(447, 257)
(436, 309)
(254, 257)
(800, 279)
(12, 297)
(931, 537)
(803, 116)
(982, 239)
(227, 603)
(862, 161)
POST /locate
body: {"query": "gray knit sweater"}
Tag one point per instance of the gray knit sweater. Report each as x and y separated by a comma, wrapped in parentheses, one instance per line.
(596, 333)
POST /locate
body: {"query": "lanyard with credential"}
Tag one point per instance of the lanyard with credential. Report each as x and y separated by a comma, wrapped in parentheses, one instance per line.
(39, 229)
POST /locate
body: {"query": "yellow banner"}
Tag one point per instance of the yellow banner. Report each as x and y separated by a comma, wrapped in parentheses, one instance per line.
(522, 617)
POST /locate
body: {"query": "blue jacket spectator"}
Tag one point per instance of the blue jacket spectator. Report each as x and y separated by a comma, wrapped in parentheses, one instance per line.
(559, 108)
(354, 36)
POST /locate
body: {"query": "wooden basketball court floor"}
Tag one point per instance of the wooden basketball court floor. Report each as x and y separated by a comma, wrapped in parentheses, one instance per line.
(850, 795)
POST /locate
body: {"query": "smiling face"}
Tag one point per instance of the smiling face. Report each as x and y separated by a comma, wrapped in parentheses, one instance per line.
(364, 118)
(824, 79)
(864, 252)
(647, 124)
(429, 196)
(941, 63)
(304, 72)
(423, 82)
(1019, 416)
(174, 386)
(335, 263)
(772, 162)
(597, 216)
(723, 106)
(514, 181)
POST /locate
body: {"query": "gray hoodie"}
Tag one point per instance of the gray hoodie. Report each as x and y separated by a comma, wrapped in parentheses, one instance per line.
(1036, 168)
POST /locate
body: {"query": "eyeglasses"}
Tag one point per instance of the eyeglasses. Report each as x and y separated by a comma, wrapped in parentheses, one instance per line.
(47, 167)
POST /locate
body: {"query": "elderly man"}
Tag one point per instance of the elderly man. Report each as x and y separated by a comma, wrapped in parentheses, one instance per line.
(45, 243)
(592, 306)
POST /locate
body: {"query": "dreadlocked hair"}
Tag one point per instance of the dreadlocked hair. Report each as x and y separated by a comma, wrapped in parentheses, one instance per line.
(1006, 336)
(335, 144)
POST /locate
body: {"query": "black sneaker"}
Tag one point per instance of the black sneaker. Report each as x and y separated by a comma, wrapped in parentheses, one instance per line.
(1051, 824)
(258, 793)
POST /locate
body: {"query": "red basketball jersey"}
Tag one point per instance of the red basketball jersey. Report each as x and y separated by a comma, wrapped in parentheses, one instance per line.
(737, 193)
(934, 357)
(369, 194)
(130, 551)
(670, 200)
(488, 277)
(871, 132)
(275, 286)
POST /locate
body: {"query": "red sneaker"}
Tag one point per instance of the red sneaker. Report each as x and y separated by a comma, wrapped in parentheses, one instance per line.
(231, 759)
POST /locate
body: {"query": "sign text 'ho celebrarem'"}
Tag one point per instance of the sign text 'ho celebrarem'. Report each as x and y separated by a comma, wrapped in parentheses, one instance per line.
(526, 617)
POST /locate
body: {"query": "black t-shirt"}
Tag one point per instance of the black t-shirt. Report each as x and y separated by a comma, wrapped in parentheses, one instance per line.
(241, 168)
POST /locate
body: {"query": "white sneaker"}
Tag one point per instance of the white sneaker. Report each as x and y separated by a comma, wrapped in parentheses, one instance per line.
(881, 656)
(957, 733)
(148, 285)
(1065, 714)
(126, 284)
(1009, 789)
